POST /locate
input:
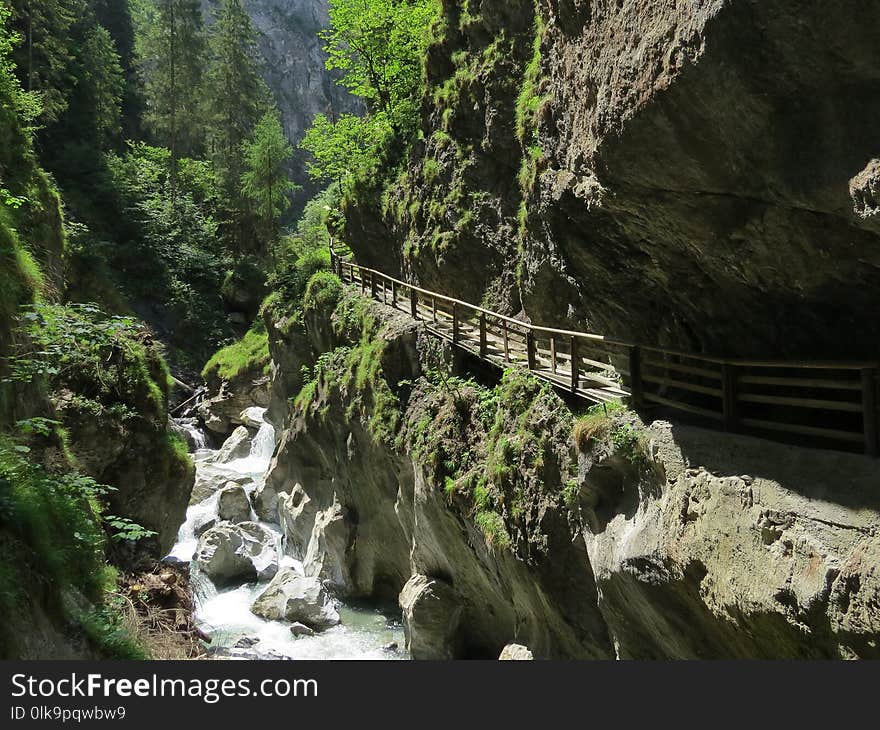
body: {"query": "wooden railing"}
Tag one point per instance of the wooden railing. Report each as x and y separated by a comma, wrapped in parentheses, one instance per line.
(821, 403)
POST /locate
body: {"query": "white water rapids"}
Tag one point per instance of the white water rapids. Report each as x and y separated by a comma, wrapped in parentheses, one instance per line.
(225, 615)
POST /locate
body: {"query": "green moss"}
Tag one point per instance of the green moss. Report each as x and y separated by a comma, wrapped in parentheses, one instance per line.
(530, 98)
(607, 423)
(250, 353)
(323, 292)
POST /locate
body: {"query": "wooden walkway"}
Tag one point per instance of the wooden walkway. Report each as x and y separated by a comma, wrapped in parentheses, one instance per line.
(829, 404)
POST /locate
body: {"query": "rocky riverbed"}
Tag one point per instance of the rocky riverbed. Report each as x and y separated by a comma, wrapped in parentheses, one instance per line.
(254, 597)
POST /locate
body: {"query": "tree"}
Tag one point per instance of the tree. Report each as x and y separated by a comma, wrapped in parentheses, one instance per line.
(265, 181)
(379, 45)
(237, 98)
(342, 149)
(102, 83)
(117, 17)
(44, 59)
(173, 57)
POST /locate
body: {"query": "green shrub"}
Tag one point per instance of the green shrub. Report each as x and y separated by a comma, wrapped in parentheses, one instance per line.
(323, 292)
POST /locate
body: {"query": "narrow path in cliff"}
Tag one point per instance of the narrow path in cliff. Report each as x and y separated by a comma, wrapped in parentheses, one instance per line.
(237, 562)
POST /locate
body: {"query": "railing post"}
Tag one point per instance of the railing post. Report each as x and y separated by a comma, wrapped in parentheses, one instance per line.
(635, 376)
(729, 378)
(434, 307)
(373, 285)
(363, 280)
(414, 303)
(553, 354)
(869, 410)
(575, 359)
(506, 343)
(484, 350)
(531, 358)
(394, 294)
(454, 323)
(384, 291)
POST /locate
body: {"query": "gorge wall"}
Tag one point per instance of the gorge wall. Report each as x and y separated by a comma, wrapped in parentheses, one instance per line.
(493, 519)
(698, 175)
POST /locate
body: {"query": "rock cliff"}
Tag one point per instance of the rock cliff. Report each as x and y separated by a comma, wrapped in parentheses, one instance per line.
(697, 175)
(497, 517)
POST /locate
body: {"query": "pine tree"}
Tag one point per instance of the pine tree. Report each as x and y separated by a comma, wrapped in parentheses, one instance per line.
(265, 180)
(44, 59)
(101, 85)
(173, 57)
(117, 17)
(237, 99)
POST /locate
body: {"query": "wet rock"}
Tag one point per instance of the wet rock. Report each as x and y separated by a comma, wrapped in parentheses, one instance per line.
(237, 446)
(246, 642)
(293, 597)
(391, 648)
(204, 524)
(240, 553)
(326, 557)
(212, 477)
(515, 652)
(300, 629)
(431, 613)
(233, 504)
(222, 412)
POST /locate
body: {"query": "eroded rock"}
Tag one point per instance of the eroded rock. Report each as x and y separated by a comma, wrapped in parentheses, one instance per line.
(326, 557)
(431, 613)
(515, 652)
(237, 553)
(297, 598)
(233, 504)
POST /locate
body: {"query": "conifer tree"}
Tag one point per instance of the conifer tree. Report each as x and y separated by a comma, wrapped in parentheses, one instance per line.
(237, 98)
(173, 58)
(265, 180)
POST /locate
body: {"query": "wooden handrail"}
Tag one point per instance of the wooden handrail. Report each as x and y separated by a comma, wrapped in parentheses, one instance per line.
(511, 340)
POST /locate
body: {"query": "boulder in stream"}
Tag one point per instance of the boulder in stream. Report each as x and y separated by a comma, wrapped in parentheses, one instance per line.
(210, 478)
(237, 446)
(230, 554)
(297, 598)
(233, 504)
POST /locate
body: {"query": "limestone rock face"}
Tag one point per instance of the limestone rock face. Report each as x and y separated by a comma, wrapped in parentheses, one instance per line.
(237, 553)
(515, 652)
(431, 615)
(706, 545)
(327, 554)
(296, 515)
(222, 412)
(296, 598)
(233, 504)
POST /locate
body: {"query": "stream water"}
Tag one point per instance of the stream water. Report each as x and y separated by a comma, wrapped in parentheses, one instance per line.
(225, 615)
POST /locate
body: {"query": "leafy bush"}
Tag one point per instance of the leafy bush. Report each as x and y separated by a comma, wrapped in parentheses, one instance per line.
(109, 360)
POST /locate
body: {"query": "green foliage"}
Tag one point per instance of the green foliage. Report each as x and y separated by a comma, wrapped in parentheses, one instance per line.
(347, 148)
(171, 51)
(101, 87)
(145, 249)
(237, 99)
(531, 99)
(265, 181)
(378, 47)
(607, 423)
(46, 56)
(50, 536)
(124, 529)
(250, 353)
(108, 360)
